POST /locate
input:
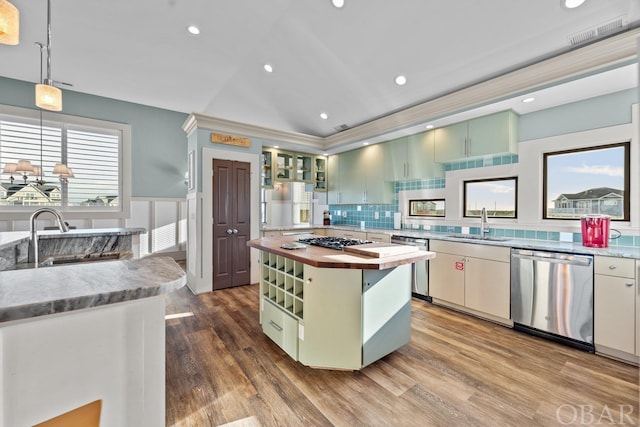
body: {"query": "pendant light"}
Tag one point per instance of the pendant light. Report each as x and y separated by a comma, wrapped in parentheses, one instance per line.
(48, 96)
(9, 23)
(24, 168)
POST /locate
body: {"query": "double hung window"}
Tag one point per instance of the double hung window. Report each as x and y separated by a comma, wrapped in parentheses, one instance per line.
(93, 150)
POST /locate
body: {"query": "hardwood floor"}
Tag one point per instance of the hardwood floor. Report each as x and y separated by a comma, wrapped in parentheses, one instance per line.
(456, 371)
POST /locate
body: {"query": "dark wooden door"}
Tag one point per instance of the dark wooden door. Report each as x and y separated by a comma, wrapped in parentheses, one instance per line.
(231, 223)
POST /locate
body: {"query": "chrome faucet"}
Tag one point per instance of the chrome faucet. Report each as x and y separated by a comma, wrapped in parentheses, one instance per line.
(484, 226)
(63, 226)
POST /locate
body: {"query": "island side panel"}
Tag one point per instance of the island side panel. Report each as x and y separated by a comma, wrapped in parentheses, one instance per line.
(386, 312)
(331, 332)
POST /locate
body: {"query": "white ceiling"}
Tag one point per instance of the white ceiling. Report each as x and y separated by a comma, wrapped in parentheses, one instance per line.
(339, 61)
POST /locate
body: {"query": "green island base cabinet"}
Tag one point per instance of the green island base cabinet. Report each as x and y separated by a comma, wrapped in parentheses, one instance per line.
(334, 318)
(472, 278)
(616, 306)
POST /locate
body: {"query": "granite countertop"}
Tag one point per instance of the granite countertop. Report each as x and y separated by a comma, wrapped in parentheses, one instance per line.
(577, 248)
(38, 292)
(11, 238)
(331, 258)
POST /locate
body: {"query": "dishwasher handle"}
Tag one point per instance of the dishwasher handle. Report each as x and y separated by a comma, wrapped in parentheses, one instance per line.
(555, 258)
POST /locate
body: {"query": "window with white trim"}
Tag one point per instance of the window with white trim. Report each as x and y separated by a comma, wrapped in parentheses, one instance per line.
(92, 149)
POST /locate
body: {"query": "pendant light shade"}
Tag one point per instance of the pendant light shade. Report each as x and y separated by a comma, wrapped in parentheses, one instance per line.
(9, 23)
(48, 97)
(24, 167)
(9, 168)
(61, 169)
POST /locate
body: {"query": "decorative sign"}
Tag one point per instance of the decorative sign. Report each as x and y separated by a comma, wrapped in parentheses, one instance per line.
(230, 140)
(460, 265)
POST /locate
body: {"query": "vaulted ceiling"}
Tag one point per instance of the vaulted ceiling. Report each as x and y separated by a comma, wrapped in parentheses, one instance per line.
(338, 61)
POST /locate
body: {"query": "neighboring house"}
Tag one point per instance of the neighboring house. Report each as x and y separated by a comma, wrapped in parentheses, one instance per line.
(29, 194)
(602, 200)
(101, 201)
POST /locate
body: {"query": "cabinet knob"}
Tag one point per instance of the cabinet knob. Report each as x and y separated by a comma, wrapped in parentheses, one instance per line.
(629, 284)
(309, 280)
(612, 267)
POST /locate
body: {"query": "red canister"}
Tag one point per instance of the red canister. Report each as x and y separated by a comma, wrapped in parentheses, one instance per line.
(595, 230)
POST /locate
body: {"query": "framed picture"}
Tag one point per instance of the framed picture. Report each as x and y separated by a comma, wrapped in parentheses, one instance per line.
(191, 171)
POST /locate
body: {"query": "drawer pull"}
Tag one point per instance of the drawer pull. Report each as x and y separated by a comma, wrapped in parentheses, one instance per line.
(629, 284)
(275, 326)
(612, 267)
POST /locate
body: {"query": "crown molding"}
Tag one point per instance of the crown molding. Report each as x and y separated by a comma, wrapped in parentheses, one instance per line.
(196, 120)
(611, 51)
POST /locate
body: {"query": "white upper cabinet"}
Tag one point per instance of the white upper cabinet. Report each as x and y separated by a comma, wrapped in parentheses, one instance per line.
(493, 134)
(411, 157)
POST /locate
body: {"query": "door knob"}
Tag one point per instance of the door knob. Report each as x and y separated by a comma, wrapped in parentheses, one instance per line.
(235, 231)
(229, 231)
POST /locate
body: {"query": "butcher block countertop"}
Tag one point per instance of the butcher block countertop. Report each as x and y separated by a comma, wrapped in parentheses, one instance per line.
(371, 256)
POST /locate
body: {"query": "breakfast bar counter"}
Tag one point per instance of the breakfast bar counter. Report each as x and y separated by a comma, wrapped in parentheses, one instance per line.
(336, 309)
(77, 333)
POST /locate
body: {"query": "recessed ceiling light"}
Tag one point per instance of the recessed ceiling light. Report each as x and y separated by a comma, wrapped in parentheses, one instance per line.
(193, 29)
(365, 143)
(531, 99)
(572, 4)
(401, 80)
(325, 154)
(276, 146)
(429, 126)
(338, 3)
(268, 68)
(324, 116)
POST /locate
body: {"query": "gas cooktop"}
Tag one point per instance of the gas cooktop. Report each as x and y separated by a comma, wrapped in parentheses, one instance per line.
(337, 243)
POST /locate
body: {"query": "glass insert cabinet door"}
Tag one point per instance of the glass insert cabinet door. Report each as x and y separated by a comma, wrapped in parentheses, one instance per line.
(304, 167)
(320, 174)
(284, 166)
(267, 169)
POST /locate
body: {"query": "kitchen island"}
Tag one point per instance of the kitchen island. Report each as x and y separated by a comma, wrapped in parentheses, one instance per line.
(76, 333)
(336, 309)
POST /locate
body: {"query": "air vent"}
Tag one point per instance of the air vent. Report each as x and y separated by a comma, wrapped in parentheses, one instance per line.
(341, 128)
(601, 30)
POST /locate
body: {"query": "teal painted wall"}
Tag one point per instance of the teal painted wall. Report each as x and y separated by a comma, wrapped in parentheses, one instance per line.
(158, 143)
(593, 113)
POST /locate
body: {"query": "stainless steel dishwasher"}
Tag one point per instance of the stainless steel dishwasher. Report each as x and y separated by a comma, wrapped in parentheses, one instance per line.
(552, 296)
(420, 269)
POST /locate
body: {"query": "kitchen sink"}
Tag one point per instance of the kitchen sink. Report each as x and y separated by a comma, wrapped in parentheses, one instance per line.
(478, 237)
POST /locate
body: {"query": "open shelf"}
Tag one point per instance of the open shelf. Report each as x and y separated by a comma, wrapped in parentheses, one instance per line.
(282, 282)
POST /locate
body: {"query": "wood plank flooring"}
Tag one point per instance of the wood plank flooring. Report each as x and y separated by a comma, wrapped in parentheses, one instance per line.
(456, 371)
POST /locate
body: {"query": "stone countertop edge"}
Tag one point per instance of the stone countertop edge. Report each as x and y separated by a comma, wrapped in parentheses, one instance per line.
(542, 245)
(31, 293)
(11, 238)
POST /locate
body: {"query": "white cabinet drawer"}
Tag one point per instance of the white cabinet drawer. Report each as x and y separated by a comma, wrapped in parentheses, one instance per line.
(378, 237)
(351, 234)
(495, 253)
(610, 266)
(280, 327)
